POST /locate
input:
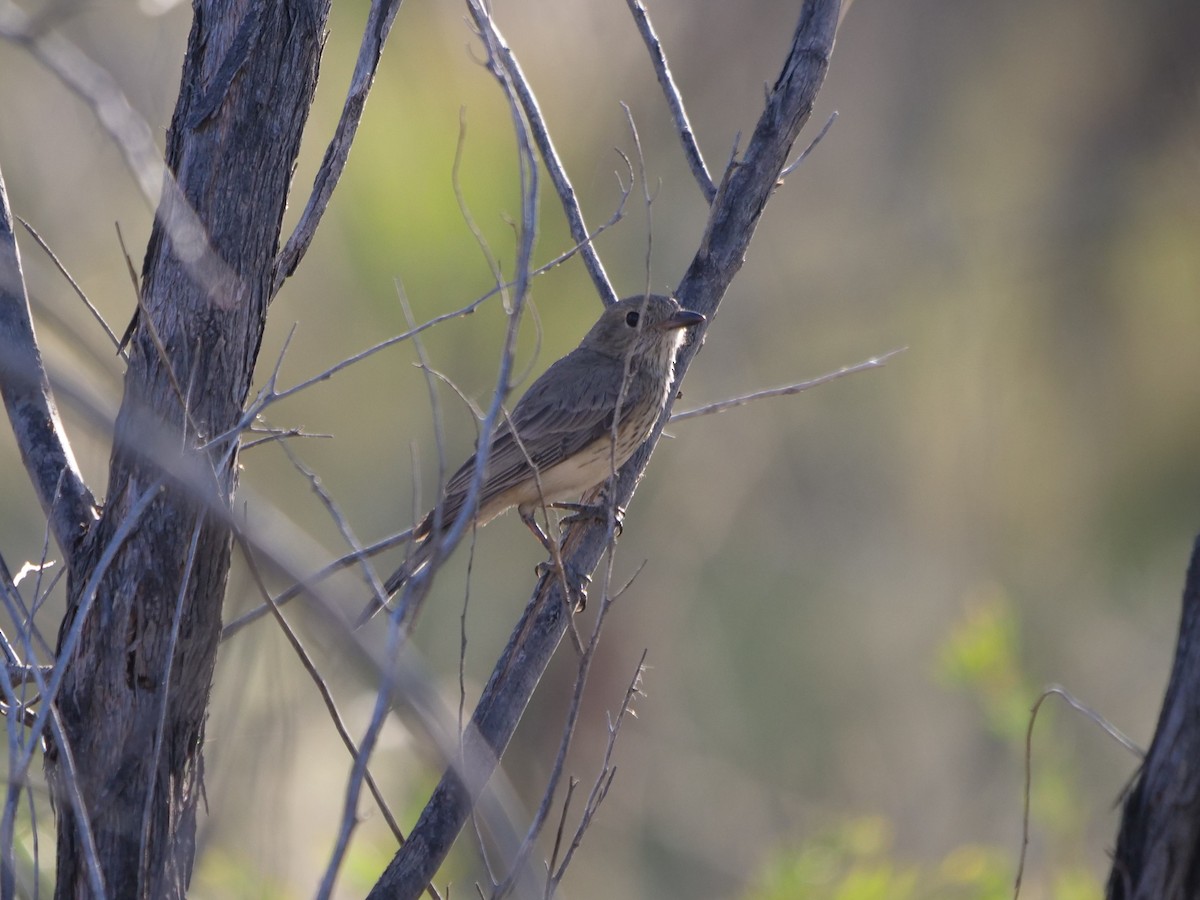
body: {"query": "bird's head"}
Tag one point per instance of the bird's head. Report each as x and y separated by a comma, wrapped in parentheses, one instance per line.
(647, 327)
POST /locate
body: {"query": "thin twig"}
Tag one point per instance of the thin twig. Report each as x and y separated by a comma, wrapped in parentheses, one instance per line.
(1111, 730)
(19, 674)
(564, 746)
(608, 771)
(572, 783)
(683, 128)
(464, 210)
(269, 397)
(409, 603)
(308, 583)
(647, 204)
(335, 513)
(91, 307)
(874, 362)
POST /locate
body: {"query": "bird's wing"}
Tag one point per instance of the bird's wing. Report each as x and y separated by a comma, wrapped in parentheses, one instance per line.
(565, 410)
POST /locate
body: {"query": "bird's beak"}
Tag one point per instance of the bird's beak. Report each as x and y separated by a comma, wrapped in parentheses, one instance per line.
(684, 318)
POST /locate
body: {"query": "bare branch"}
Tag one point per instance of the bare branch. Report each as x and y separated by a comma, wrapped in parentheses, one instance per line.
(691, 150)
(541, 136)
(375, 34)
(874, 362)
(607, 773)
(45, 449)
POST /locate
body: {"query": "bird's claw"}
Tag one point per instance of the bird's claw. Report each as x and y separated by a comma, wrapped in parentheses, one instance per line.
(595, 512)
(576, 580)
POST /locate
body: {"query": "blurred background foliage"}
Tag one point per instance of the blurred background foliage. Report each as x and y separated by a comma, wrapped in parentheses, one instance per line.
(853, 596)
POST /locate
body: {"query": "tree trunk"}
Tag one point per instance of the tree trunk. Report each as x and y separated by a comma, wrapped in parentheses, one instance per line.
(146, 607)
(1158, 847)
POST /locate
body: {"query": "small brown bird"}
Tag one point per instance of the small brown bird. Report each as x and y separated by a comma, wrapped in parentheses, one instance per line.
(563, 445)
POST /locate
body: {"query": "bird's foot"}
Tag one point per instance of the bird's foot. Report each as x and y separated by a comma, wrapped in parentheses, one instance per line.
(596, 512)
(577, 581)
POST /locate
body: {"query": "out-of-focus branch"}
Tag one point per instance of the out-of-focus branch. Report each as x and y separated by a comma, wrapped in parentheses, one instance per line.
(541, 136)
(132, 134)
(45, 450)
(683, 127)
(745, 189)
(375, 34)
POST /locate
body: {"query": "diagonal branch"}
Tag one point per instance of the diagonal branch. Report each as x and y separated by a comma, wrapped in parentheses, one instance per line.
(45, 450)
(744, 192)
(375, 34)
(691, 150)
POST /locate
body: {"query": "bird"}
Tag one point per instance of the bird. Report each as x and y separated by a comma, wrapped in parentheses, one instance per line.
(558, 441)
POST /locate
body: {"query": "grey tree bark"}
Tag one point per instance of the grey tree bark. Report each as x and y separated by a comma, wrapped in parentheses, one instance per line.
(1157, 856)
(145, 605)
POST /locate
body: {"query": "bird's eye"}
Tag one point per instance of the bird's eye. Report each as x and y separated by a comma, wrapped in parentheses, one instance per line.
(631, 319)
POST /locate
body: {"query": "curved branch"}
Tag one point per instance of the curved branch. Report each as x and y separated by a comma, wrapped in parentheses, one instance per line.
(45, 450)
(743, 194)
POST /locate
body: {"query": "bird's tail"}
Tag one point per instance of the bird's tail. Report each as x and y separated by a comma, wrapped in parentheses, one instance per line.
(415, 562)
